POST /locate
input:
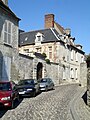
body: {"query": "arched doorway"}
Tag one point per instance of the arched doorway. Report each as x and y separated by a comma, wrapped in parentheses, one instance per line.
(39, 70)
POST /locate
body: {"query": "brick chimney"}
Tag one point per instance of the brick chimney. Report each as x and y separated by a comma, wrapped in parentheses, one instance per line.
(49, 21)
(5, 2)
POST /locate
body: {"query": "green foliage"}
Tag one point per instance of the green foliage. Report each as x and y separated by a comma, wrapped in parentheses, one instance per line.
(88, 57)
(47, 61)
(44, 55)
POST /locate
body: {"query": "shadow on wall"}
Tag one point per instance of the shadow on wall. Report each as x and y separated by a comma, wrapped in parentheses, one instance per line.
(4, 70)
(3, 59)
(84, 97)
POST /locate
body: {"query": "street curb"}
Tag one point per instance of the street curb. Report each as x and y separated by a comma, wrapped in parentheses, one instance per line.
(73, 104)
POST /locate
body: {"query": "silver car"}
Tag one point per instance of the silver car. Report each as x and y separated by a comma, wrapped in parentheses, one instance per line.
(46, 84)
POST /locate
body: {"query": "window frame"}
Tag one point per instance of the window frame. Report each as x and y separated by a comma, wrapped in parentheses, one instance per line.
(50, 52)
(7, 33)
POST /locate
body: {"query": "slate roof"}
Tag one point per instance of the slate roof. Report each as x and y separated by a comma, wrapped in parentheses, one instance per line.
(49, 36)
(60, 27)
(6, 8)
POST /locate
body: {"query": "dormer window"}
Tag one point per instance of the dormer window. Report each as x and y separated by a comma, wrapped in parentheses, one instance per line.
(39, 37)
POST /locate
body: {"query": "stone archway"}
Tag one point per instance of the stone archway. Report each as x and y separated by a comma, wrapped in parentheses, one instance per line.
(39, 70)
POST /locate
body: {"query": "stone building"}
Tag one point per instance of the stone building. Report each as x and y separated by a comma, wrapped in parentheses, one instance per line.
(58, 45)
(8, 41)
(13, 66)
(28, 61)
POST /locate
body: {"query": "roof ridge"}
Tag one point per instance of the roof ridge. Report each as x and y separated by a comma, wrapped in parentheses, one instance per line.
(54, 33)
(34, 31)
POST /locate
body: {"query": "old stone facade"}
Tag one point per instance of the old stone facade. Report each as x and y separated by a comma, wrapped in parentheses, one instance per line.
(8, 40)
(59, 47)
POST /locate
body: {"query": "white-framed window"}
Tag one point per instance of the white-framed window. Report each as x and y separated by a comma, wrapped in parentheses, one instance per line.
(72, 73)
(50, 52)
(72, 54)
(39, 37)
(7, 32)
(26, 50)
(38, 50)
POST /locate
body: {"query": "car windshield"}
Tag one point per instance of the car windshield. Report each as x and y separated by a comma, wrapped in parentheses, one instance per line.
(43, 80)
(5, 87)
(26, 82)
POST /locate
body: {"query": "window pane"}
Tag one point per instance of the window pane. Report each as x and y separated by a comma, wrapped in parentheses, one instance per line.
(5, 27)
(50, 55)
(9, 39)
(26, 50)
(5, 37)
(39, 38)
(9, 28)
(50, 48)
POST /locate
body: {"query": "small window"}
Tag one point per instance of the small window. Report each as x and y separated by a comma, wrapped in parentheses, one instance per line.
(39, 38)
(76, 56)
(50, 52)
(72, 73)
(72, 54)
(7, 32)
(38, 50)
(26, 50)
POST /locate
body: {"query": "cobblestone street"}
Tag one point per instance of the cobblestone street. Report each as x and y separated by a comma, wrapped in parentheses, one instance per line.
(51, 105)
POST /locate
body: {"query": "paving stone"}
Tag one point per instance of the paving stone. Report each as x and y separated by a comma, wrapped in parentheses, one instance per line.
(51, 105)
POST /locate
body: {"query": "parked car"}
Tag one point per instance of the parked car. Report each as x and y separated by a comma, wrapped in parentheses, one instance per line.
(46, 84)
(8, 94)
(28, 87)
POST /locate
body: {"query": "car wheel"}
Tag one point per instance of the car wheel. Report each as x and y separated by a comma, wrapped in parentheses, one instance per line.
(34, 94)
(46, 89)
(53, 87)
(18, 98)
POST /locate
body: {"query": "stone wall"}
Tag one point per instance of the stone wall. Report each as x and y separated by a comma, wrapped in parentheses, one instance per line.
(83, 74)
(54, 71)
(25, 67)
(88, 86)
(22, 67)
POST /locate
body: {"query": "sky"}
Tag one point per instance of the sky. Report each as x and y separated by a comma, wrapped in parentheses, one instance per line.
(73, 14)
